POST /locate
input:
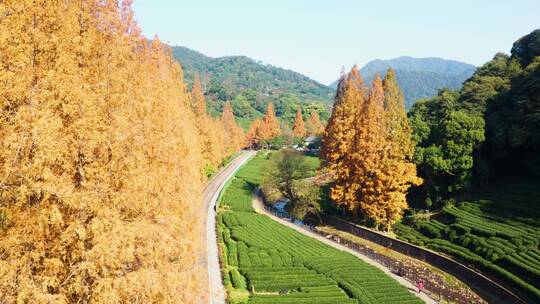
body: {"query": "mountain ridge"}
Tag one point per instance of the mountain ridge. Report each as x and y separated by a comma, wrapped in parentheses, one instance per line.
(419, 77)
(194, 61)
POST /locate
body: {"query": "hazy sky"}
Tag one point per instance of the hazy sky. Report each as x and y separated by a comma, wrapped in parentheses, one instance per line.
(317, 37)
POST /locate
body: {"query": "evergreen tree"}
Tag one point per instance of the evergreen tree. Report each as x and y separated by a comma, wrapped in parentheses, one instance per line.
(299, 129)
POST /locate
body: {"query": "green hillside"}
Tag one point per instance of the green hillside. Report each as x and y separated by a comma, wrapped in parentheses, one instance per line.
(250, 85)
(478, 152)
(420, 77)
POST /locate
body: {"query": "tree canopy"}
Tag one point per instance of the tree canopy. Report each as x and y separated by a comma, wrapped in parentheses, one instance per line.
(490, 128)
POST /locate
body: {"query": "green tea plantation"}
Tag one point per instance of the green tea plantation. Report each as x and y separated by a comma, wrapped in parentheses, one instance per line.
(266, 262)
(497, 233)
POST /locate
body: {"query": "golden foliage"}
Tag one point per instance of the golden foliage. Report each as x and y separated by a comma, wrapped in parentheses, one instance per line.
(255, 133)
(100, 161)
(234, 133)
(371, 161)
(263, 129)
(219, 137)
(314, 124)
(299, 128)
(198, 102)
(340, 131)
(270, 123)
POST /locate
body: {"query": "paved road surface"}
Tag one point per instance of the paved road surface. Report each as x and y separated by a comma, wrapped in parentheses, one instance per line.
(259, 207)
(210, 196)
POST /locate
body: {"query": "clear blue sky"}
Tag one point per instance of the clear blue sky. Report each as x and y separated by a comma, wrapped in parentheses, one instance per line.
(317, 37)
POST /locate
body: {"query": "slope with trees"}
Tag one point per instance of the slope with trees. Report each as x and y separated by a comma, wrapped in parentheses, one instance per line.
(478, 151)
(250, 85)
(488, 129)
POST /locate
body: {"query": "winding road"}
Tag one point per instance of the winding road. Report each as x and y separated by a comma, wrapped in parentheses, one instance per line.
(210, 197)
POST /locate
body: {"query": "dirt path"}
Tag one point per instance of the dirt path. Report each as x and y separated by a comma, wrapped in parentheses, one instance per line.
(210, 195)
(259, 207)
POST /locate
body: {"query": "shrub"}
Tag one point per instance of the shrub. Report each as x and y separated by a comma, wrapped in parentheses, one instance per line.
(237, 279)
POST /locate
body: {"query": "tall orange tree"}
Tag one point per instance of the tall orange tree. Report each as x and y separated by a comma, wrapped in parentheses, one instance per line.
(256, 133)
(213, 137)
(96, 142)
(299, 128)
(198, 101)
(314, 124)
(366, 157)
(234, 133)
(340, 130)
(271, 127)
(399, 169)
(373, 174)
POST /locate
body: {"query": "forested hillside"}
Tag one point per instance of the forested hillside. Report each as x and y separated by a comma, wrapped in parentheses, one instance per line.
(249, 85)
(420, 77)
(478, 151)
(488, 129)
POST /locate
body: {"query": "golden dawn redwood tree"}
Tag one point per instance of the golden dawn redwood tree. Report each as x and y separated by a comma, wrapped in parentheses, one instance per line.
(340, 130)
(356, 186)
(314, 124)
(299, 128)
(234, 133)
(270, 127)
(400, 171)
(211, 132)
(96, 143)
(372, 177)
(256, 133)
(198, 102)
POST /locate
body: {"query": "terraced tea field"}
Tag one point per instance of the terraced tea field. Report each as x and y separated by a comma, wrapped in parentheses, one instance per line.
(497, 233)
(266, 262)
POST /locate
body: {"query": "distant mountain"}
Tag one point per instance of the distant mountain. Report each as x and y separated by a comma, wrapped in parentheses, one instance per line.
(420, 77)
(241, 79)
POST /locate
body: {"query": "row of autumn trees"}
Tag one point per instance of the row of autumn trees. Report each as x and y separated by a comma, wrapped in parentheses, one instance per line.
(267, 129)
(102, 159)
(367, 147)
(220, 137)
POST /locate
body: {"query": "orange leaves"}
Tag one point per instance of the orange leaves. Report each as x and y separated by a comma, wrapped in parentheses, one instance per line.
(314, 124)
(299, 128)
(100, 160)
(234, 133)
(340, 131)
(367, 145)
(271, 127)
(266, 128)
(255, 134)
(198, 102)
(219, 138)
